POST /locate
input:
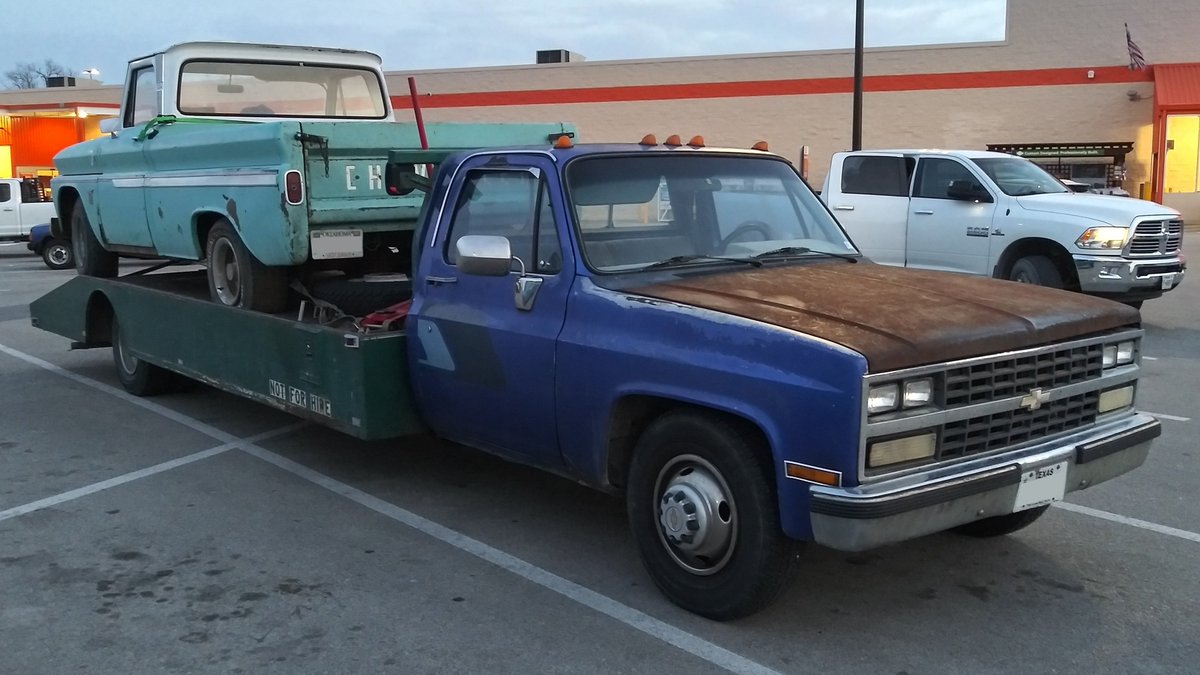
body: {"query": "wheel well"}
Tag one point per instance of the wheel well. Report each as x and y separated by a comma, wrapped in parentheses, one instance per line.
(204, 223)
(65, 202)
(633, 414)
(1044, 247)
(98, 325)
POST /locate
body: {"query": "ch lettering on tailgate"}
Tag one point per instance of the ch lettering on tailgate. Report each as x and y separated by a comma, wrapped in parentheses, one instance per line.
(374, 177)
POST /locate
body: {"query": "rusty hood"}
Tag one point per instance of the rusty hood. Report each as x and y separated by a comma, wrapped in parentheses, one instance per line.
(895, 317)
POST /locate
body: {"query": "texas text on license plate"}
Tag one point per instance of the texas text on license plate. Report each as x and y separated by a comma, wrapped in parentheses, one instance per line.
(331, 244)
(1041, 485)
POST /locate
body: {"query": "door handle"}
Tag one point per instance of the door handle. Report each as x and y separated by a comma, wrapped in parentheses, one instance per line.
(8, 209)
(438, 281)
(923, 213)
(843, 207)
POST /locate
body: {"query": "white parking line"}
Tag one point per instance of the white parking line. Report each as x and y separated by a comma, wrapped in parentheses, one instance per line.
(1164, 416)
(1132, 522)
(688, 642)
(601, 603)
(1149, 358)
(141, 473)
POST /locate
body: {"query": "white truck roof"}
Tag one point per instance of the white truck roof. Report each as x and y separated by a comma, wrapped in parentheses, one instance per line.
(209, 49)
(964, 154)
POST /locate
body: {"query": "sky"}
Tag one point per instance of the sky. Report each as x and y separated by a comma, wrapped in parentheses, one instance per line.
(105, 34)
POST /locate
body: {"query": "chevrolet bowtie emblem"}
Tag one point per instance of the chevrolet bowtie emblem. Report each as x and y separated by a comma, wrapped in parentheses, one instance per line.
(1035, 399)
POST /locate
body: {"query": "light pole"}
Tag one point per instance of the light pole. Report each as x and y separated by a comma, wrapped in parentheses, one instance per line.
(856, 129)
(91, 73)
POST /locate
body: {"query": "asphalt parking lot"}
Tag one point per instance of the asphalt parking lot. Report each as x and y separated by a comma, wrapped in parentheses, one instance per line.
(196, 532)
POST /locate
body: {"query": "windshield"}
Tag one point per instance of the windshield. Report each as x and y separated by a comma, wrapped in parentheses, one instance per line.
(259, 89)
(1019, 177)
(635, 211)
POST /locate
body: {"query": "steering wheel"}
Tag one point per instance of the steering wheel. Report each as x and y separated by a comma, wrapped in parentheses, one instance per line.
(747, 227)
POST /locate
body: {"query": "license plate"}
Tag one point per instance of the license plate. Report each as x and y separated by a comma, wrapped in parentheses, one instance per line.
(1168, 281)
(332, 244)
(1041, 486)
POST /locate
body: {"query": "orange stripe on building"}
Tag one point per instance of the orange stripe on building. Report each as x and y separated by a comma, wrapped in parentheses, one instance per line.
(792, 87)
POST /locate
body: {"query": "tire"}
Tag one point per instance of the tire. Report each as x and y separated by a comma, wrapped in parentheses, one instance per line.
(698, 476)
(137, 377)
(1037, 270)
(361, 296)
(237, 279)
(58, 254)
(91, 259)
(998, 526)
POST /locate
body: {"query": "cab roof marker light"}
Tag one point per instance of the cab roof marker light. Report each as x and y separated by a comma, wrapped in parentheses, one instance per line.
(761, 146)
(564, 142)
(673, 141)
(697, 141)
(649, 139)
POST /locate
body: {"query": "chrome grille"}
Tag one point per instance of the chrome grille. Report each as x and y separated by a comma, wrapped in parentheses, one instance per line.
(994, 380)
(992, 432)
(1156, 237)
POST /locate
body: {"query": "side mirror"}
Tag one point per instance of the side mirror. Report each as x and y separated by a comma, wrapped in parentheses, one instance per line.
(484, 255)
(110, 125)
(968, 191)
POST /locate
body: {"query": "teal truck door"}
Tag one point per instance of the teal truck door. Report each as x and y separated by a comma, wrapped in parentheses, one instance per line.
(485, 367)
(121, 203)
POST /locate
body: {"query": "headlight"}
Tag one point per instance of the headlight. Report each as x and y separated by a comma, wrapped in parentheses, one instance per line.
(1118, 354)
(1103, 238)
(901, 450)
(883, 397)
(918, 392)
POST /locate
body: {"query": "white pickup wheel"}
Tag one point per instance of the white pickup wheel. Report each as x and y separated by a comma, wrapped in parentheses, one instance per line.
(1037, 270)
(702, 507)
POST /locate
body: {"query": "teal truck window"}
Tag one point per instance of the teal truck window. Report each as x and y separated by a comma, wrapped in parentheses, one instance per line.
(142, 105)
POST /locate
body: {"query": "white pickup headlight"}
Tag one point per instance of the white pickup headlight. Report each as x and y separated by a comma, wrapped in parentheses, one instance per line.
(1103, 238)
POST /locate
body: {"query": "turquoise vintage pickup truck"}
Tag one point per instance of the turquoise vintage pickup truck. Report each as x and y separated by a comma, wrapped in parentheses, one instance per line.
(263, 161)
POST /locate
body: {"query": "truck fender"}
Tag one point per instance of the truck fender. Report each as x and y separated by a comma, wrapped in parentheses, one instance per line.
(1031, 246)
(632, 412)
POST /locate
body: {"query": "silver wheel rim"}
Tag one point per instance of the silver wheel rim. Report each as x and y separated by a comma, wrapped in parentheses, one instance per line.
(128, 361)
(59, 254)
(697, 518)
(223, 268)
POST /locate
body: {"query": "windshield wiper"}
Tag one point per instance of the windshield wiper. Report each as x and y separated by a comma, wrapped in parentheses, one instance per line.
(685, 259)
(801, 250)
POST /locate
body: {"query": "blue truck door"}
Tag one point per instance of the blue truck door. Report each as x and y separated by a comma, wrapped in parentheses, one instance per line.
(484, 369)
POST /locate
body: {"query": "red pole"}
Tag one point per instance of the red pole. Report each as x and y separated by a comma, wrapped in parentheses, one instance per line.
(416, 103)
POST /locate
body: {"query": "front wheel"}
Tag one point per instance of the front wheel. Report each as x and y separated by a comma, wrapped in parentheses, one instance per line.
(1037, 270)
(57, 255)
(91, 259)
(237, 279)
(703, 511)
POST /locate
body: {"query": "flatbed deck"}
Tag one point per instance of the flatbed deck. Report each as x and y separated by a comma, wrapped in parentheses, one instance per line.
(353, 381)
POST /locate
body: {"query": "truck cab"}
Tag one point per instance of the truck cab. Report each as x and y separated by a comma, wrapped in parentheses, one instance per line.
(23, 204)
(998, 215)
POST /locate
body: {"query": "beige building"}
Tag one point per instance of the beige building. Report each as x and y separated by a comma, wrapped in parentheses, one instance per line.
(1058, 88)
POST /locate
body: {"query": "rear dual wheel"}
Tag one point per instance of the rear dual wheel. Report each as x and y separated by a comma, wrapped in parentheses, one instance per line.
(137, 376)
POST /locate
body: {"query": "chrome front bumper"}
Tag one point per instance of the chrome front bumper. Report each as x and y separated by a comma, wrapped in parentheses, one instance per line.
(856, 519)
(1108, 275)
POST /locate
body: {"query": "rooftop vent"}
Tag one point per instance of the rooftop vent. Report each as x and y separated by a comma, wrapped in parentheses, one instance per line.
(60, 81)
(558, 56)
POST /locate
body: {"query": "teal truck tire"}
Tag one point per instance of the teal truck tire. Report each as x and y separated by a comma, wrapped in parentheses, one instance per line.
(703, 512)
(237, 279)
(91, 259)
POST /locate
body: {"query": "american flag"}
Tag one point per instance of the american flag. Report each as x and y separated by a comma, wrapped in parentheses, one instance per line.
(1136, 60)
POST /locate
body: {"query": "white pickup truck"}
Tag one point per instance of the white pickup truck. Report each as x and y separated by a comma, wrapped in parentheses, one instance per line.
(989, 213)
(20, 209)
